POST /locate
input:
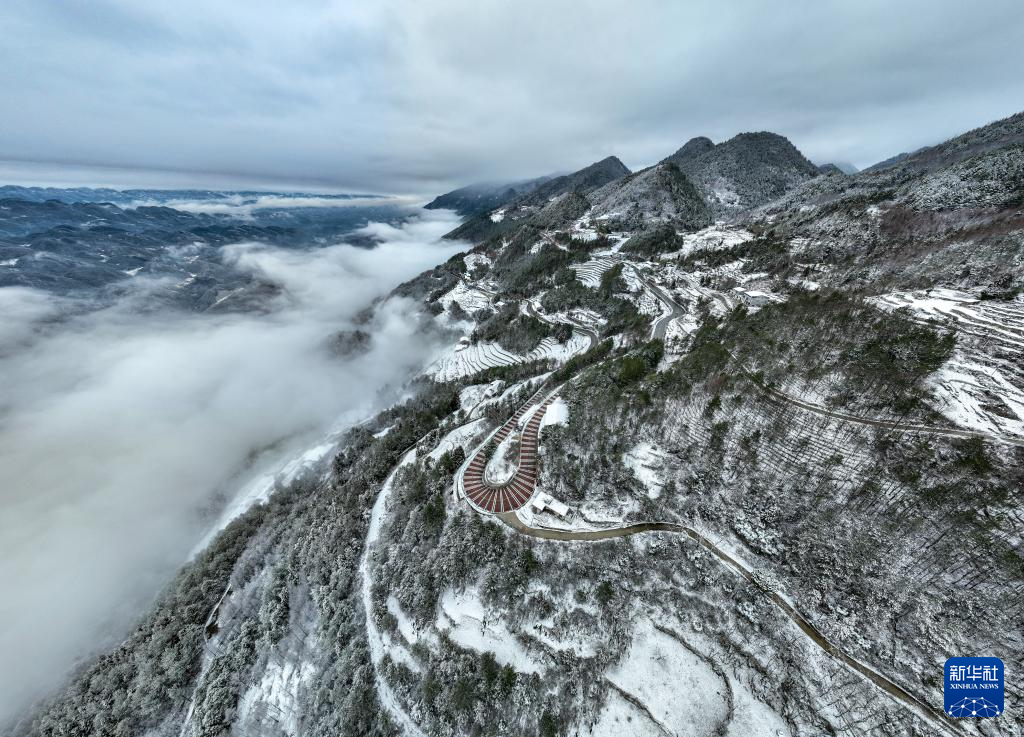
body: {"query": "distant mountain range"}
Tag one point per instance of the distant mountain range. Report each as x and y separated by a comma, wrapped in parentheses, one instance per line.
(776, 457)
(700, 182)
(81, 239)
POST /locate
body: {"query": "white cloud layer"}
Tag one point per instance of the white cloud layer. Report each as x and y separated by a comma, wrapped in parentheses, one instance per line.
(244, 206)
(410, 96)
(117, 428)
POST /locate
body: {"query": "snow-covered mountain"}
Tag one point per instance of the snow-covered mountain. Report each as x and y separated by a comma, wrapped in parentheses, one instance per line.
(745, 171)
(759, 476)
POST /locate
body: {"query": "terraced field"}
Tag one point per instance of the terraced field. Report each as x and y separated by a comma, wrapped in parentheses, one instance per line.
(471, 359)
(590, 272)
(982, 386)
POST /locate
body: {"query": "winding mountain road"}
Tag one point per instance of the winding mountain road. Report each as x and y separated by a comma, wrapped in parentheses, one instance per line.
(514, 494)
(934, 716)
(502, 501)
(486, 500)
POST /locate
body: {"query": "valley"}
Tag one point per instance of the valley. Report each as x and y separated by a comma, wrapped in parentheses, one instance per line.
(714, 448)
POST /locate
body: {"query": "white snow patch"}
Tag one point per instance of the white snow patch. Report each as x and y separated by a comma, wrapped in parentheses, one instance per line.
(590, 272)
(657, 670)
(468, 298)
(498, 215)
(465, 620)
(647, 462)
(460, 437)
(378, 648)
(713, 238)
(752, 718)
(275, 698)
(619, 718)
(476, 260)
(981, 387)
(467, 360)
(557, 413)
(502, 465)
(472, 395)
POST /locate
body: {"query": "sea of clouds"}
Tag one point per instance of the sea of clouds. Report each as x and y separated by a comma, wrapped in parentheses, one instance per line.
(122, 426)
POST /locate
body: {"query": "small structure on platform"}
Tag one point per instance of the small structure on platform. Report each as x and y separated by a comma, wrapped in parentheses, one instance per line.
(546, 502)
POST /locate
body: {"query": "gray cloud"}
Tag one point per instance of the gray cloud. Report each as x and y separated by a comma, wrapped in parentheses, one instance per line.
(117, 430)
(398, 95)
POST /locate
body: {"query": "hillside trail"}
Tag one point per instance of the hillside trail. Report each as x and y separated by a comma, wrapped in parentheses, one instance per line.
(661, 326)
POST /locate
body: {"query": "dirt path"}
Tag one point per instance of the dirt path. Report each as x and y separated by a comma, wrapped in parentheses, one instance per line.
(591, 334)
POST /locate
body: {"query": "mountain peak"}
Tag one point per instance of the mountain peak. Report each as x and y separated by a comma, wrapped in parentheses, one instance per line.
(611, 165)
(746, 171)
(692, 149)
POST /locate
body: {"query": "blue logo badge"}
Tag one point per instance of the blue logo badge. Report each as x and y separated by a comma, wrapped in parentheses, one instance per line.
(974, 687)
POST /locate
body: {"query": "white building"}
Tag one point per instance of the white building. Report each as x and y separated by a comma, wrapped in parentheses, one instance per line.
(543, 502)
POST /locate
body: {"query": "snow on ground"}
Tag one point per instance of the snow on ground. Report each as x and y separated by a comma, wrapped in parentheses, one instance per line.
(617, 239)
(190, 279)
(979, 396)
(275, 700)
(470, 359)
(562, 638)
(557, 413)
(981, 387)
(468, 298)
(408, 630)
(472, 395)
(551, 348)
(678, 330)
(577, 317)
(590, 272)
(678, 688)
(463, 617)
(267, 481)
(632, 279)
(461, 437)
(377, 645)
(405, 625)
(619, 718)
(498, 215)
(755, 299)
(647, 462)
(808, 284)
(587, 317)
(397, 651)
(511, 389)
(502, 464)
(648, 304)
(383, 432)
(713, 238)
(752, 718)
(476, 260)
(588, 516)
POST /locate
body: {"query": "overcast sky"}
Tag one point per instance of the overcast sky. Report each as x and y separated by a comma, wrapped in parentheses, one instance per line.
(409, 96)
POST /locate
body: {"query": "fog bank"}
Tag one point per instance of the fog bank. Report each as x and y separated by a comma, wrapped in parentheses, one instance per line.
(118, 427)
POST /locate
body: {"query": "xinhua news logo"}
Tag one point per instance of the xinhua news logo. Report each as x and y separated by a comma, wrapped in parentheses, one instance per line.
(974, 687)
